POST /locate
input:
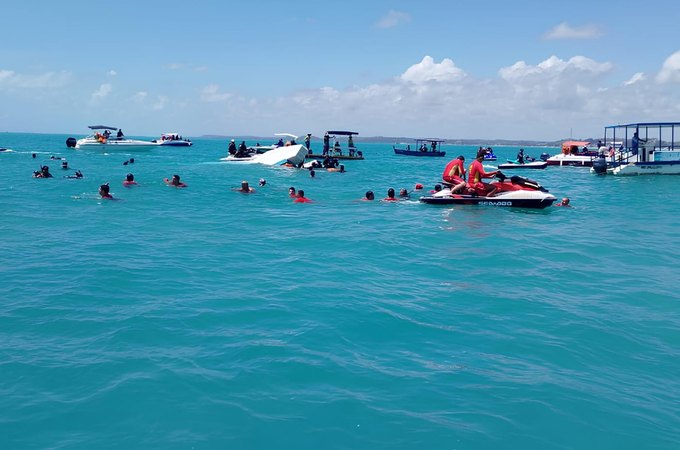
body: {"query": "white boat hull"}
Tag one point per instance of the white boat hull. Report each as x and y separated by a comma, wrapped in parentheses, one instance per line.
(293, 154)
(114, 145)
(571, 160)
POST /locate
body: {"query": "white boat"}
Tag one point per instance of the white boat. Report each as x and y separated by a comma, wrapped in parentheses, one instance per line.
(288, 154)
(574, 153)
(173, 140)
(527, 165)
(108, 139)
(646, 149)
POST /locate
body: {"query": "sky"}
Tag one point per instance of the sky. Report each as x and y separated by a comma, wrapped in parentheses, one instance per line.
(467, 69)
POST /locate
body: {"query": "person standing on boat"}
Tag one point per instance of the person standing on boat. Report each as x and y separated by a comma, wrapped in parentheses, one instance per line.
(120, 135)
(307, 141)
(326, 143)
(434, 146)
(476, 174)
(350, 142)
(635, 143)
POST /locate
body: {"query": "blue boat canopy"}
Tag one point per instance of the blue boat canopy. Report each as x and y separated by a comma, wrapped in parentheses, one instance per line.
(102, 127)
(342, 133)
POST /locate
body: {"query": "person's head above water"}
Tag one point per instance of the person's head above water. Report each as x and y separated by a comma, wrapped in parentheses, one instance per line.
(403, 192)
(175, 180)
(390, 193)
(104, 190)
(129, 177)
(370, 195)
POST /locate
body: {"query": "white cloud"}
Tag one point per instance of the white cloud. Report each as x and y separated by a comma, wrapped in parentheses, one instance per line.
(113, 73)
(565, 31)
(211, 93)
(175, 66)
(392, 19)
(577, 66)
(140, 96)
(161, 100)
(525, 101)
(102, 92)
(635, 79)
(428, 70)
(11, 79)
(201, 69)
(670, 71)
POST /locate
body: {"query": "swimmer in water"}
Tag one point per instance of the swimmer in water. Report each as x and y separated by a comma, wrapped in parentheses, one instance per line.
(245, 188)
(78, 174)
(291, 192)
(262, 181)
(403, 193)
(300, 198)
(390, 196)
(43, 173)
(175, 182)
(104, 192)
(369, 196)
(129, 180)
(564, 202)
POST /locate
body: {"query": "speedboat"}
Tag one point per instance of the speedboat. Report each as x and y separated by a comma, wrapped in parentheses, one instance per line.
(526, 165)
(173, 140)
(646, 149)
(518, 192)
(288, 154)
(110, 139)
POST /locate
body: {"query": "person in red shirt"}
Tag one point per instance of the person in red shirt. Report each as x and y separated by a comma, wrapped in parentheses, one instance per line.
(454, 171)
(390, 196)
(301, 197)
(454, 174)
(476, 174)
(129, 180)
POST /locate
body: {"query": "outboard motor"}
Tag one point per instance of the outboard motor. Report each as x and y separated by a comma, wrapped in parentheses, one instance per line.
(600, 165)
(544, 156)
(71, 142)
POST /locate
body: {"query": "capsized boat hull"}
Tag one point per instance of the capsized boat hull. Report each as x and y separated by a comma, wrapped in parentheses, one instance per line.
(293, 154)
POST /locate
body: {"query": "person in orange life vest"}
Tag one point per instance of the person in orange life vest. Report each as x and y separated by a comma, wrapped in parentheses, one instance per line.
(475, 175)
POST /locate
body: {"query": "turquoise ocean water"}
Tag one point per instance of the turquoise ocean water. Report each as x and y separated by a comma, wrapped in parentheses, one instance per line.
(205, 318)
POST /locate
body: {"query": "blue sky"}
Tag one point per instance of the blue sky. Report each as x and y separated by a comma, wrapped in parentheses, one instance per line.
(458, 69)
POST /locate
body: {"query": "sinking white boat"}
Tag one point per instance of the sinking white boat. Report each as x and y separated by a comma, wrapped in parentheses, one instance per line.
(108, 139)
(288, 154)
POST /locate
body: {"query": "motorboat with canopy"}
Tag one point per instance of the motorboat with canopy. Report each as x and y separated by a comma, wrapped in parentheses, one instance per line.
(107, 138)
(423, 147)
(645, 148)
(335, 150)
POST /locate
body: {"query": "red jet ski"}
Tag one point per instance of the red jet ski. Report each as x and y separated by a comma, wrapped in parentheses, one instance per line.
(518, 192)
